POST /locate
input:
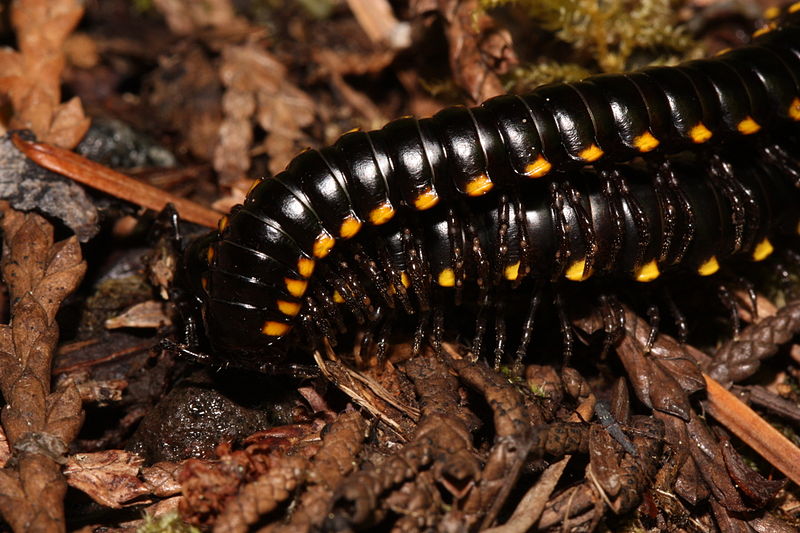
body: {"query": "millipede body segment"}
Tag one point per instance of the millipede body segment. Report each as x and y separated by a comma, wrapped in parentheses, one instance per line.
(620, 174)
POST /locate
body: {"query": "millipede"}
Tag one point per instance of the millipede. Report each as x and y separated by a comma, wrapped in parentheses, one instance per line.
(618, 175)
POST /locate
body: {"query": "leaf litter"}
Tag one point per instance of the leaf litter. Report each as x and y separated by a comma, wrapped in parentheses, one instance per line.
(232, 91)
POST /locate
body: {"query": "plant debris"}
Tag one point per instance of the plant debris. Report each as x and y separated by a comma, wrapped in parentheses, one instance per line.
(102, 428)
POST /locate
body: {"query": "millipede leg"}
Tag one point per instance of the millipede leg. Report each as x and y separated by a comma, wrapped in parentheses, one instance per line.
(527, 327)
(618, 183)
(778, 156)
(678, 317)
(728, 301)
(613, 321)
(566, 329)
(480, 323)
(560, 227)
(499, 332)
(419, 335)
(654, 318)
(585, 225)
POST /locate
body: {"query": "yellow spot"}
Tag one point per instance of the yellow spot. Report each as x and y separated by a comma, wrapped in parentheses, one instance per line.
(275, 329)
(204, 283)
(210, 254)
(350, 226)
(305, 266)
(748, 126)
(592, 153)
(538, 168)
(296, 287)
(426, 199)
(381, 214)
(794, 109)
(794, 7)
(288, 308)
(337, 297)
(512, 271)
(709, 267)
(645, 142)
(479, 186)
(763, 30)
(723, 52)
(447, 278)
(647, 272)
(404, 279)
(253, 186)
(700, 133)
(323, 245)
(772, 12)
(577, 271)
(351, 131)
(222, 223)
(763, 249)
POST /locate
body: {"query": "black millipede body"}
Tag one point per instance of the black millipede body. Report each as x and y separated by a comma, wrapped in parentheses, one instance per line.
(622, 174)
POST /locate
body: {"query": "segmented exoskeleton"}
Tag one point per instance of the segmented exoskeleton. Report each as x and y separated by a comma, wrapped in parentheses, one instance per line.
(624, 174)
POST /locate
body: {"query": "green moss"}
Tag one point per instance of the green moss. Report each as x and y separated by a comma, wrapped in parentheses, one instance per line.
(166, 523)
(610, 32)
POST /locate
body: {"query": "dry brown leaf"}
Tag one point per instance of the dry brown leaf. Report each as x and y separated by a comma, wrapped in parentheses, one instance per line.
(38, 423)
(185, 17)
(257, 89)
(32, 76)
(110, 477)
(149, 314)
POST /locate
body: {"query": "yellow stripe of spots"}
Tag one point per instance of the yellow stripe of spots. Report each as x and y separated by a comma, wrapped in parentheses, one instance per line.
(512, 271)
(479, 186)
(337, 297)
(748, 126)
(305, 266)
(794, 109)
(645, 142)
(700, 134)
(296, 287)
(763, 30)
(577, 271)
(426, 199)
(447, 278)
(381, 214)
(222, 223)
(723, 52)
(794, 7)
(592, 153)
(323, 245)
(350, 226)
(288, 308)
(275, 329)
(647, 272)
(709, 267)
(772, 12)
(763, 250)
(404, 279)
(538, 168)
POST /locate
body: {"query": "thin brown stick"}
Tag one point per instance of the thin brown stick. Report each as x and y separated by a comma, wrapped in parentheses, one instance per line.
(100, 177)
(753, 430)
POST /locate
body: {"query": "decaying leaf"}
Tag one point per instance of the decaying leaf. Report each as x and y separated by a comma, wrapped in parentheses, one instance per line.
(30, 77)
(38, 423)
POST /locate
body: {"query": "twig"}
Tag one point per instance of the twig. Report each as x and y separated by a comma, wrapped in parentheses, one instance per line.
(753, 430)
(100, 177)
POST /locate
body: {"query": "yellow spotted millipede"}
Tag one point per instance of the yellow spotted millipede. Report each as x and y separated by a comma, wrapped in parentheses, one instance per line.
(633, 174)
